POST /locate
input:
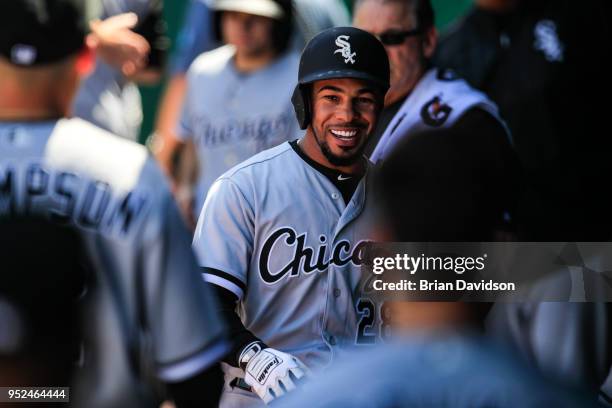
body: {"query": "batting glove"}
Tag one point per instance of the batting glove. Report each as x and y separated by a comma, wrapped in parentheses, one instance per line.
(269, 372)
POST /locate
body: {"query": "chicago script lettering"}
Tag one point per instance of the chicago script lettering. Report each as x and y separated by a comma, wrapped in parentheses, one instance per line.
(304, 256)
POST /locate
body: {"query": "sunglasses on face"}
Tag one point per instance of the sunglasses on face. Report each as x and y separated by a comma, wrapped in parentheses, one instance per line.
(397, 37)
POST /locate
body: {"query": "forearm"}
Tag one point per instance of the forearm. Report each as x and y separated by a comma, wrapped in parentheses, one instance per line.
(167, 150)
(167, 146)
(170, 106)
(241, 336)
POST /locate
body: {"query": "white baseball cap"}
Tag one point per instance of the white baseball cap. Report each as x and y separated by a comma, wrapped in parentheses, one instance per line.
(264, 8)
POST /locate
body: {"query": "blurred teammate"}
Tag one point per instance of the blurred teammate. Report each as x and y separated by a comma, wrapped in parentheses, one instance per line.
(197, 36)
(445, 371)
(550, 104)
(129, 39)
(280, 234)
(422, 97)
(437, 355)
(238, 96)
(148, 322)
(561, 49)
(567, 340)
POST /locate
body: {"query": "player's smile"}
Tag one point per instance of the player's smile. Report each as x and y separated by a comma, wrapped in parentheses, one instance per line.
(348, 137)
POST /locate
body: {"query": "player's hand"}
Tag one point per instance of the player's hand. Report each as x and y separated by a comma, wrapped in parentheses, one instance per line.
(115, 42)
(271, 373)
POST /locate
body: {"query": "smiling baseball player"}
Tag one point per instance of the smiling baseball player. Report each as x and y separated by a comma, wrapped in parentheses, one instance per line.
(280, 235)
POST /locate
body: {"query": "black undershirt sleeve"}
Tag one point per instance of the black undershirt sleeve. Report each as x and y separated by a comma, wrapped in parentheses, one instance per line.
(239, 334)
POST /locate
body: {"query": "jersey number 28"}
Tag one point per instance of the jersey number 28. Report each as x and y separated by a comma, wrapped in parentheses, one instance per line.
(366, 329)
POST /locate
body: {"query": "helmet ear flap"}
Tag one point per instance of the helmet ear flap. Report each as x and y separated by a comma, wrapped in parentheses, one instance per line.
(301, 105)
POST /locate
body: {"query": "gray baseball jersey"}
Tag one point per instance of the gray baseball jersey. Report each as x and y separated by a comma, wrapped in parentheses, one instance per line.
(314, 16)
(151, 301)
(570, 340)
(278, 234)
(438, 100)
(231, 116)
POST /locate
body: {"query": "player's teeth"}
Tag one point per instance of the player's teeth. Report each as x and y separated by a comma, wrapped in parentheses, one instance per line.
(344, 133)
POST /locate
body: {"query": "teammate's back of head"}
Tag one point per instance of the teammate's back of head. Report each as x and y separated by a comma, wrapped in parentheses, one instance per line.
(442, 186)
(40, 280)
(40, 41)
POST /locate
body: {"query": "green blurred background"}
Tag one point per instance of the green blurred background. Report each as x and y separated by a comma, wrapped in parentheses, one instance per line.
(446, 12)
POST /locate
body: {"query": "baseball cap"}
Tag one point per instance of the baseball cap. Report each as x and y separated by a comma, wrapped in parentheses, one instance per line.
(264, 8)
(37, 32)
(344, 52)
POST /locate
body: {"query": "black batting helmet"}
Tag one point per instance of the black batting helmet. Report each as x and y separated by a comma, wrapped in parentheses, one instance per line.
(340, 52)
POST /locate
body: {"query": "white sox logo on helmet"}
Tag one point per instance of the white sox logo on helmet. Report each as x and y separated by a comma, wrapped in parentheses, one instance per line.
(345, 49)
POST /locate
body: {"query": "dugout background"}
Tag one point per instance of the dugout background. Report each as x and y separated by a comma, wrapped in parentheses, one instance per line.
(446, 12)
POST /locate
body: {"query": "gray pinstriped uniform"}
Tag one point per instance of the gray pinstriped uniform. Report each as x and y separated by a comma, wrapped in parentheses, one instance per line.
(278, 234)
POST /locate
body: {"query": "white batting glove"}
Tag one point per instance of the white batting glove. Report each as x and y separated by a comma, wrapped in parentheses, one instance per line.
(269, 372)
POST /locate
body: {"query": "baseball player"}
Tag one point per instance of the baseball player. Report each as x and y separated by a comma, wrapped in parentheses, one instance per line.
(421, 97)
(280, 235)
(149, 305)
(238, 96)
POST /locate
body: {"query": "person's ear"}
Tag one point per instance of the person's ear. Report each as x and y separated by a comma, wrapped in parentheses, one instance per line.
(85, 62)
(430, 42)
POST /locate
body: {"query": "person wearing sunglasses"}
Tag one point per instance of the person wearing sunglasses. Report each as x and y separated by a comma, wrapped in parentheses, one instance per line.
(423, 97)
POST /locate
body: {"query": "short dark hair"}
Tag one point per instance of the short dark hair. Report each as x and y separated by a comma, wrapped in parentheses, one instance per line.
(41, 32)
(423, 10)
(282, 30)
(442, 186)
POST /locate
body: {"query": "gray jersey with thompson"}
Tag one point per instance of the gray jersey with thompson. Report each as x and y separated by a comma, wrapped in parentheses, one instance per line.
(151, 302)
